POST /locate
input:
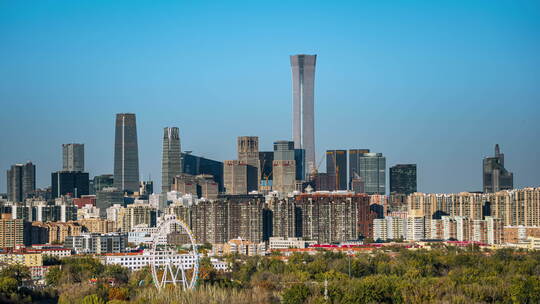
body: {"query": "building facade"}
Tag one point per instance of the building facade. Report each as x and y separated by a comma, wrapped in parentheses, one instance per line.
(126, 153)
(170, 165)
(336, 164)
(74, 183)
(303, 86)
(21, 182)
(495, 176)
(403, 179)
(73, 157)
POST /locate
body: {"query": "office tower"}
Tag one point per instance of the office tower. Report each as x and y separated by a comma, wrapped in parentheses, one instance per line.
(284, 150)
(102, 181)
(196, 165)
(354, 164)
(170, 166)
(235, 177)
(303, 85)
(495, 176)
(126, 153)
(266, 158)
(284, 167)
(403, 179)
(73, 157)
(336, 164)
(371, 168)
(106, 198)
(248, 153)
(21, 182)
(75, 183)
(284, 176)
(300, 160)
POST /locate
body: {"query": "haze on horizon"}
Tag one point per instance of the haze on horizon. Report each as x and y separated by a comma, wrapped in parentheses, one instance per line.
(432, 83)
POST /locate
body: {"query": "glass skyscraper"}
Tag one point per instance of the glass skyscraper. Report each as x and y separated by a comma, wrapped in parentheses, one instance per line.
(336, 165)
(170, 166)
(495, 175)
(403, 179)
(303, 85)
(126, 153)
(370, 168)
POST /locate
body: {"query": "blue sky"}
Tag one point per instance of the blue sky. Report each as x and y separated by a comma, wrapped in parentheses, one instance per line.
(436, 83)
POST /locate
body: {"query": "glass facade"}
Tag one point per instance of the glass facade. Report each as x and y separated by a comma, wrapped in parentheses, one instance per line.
(403, 179)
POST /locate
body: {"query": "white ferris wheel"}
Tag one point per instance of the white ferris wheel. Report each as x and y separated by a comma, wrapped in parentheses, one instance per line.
(169, 264)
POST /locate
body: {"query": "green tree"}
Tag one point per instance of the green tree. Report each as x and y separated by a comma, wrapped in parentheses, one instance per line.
(92, 299)
(296, 294)
(16, 271)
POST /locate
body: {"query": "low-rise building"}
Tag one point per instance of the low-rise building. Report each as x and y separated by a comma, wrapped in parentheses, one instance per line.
(239, 246)
(291, 242)
(97, 243)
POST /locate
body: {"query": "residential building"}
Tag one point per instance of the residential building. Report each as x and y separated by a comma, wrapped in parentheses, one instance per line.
(97, 243)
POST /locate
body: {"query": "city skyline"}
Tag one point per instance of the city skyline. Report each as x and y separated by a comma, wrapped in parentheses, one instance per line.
(406, 85)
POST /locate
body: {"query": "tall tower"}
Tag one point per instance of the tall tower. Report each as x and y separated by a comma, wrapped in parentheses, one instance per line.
(495, 176)
(21, 181)
(170, 165)
(303, 85)
(73, 157)
(248, 153)
(126, 153)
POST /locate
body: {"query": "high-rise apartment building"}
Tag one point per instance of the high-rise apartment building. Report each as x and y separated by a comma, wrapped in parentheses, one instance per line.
(126, 153)
(303, 86)
(371, 168)
(336, 165)
(21, 181)
(495, 176)
(12, 232)
(328, 218)
(73, 157)
(403, 179)
(170, 166)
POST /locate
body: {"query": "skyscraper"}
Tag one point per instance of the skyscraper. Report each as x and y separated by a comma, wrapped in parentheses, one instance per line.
(73, 157)
(403, 179)
(170, 166)
(495, 176)
(126, 153)
(354, 165)
(371, 168)
(336, 165)
(69, 182)
(21, 181)
(303, 85)
(248, 153)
